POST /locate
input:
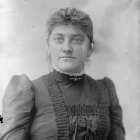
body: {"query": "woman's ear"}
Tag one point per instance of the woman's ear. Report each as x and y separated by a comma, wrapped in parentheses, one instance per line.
(48, 46)
(91, 49)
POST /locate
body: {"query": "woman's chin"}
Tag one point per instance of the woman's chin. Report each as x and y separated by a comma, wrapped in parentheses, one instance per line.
(69, 68)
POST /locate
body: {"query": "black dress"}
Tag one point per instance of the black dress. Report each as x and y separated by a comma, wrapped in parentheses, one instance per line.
(61, 107)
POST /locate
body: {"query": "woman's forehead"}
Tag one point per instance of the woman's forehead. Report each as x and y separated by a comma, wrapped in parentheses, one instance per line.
(67, 30)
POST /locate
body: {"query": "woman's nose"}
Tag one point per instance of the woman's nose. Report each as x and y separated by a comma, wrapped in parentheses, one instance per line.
(67, 48)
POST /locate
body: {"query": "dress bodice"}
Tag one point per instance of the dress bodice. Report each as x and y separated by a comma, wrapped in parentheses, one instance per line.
(60, 107)
(79, 110)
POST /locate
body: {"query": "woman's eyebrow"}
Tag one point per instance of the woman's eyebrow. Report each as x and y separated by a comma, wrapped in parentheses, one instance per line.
(58, 34)
(71, 35)
(77, 35)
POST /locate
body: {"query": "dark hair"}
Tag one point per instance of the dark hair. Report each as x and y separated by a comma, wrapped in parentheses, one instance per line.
(71, 16)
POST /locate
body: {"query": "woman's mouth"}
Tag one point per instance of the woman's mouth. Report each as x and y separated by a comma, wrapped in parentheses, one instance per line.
(67, 57)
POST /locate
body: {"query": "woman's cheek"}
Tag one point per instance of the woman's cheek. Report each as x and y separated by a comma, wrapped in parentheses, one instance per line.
(56, 54)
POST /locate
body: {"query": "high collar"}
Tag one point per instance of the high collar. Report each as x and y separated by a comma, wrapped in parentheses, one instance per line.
(67, 73)
(61, 77)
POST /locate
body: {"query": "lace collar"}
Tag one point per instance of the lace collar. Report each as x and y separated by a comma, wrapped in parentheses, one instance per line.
(65, 76)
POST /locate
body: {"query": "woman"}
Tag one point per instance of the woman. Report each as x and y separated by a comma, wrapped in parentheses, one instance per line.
(65, 104)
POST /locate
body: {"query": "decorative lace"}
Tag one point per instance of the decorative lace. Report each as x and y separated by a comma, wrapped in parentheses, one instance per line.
(67, 73)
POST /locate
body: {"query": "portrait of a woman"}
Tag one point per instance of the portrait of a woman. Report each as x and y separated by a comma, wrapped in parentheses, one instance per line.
(66, 104)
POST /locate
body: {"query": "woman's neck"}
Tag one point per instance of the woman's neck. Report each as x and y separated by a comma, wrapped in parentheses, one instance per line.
(67, 73)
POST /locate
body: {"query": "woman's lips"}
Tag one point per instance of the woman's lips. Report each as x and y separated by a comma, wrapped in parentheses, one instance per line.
(67, 57)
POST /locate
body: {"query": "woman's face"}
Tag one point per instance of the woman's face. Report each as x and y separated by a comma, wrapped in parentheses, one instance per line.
(69, 48)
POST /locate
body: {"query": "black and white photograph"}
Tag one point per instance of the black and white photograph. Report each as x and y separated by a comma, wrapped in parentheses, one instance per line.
(69, 69)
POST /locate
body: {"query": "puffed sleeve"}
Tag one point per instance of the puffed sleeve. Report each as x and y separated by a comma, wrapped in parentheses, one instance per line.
(17, 109)
(117, 131)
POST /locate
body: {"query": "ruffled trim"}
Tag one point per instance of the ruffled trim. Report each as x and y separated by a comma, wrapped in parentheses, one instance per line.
(104, 121)
(59, 106)
(100, 112)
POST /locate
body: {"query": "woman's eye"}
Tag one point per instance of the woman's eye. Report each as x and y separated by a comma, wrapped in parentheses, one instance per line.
(77, 40)
(59, 39)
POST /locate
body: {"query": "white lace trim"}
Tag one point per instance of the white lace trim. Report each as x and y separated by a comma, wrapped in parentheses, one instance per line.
(67, 73)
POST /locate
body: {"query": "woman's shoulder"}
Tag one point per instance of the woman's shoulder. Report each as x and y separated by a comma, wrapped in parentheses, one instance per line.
(21, 80)
(104, 80)
(24, 81)
(19, 85)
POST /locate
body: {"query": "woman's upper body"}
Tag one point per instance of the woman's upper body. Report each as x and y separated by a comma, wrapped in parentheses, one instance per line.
(56, 106)
(65, 104)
